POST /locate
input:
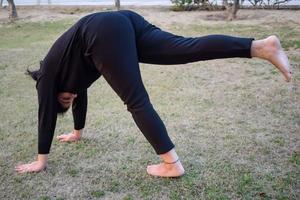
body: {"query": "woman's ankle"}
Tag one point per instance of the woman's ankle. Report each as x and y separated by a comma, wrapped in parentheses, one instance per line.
(170, 156)
(265, 48)
(78, 133)
(257, 48)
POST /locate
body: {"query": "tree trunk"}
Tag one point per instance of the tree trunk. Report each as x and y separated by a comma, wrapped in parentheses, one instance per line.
(225, 3)
(12, 10)
(1, 3)
(236, 6)
(118, 4)
(231, 8)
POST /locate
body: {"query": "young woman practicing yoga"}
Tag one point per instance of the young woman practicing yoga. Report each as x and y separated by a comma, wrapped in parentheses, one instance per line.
(112, 44)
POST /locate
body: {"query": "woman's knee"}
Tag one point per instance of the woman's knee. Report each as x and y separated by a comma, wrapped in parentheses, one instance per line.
(139, 102)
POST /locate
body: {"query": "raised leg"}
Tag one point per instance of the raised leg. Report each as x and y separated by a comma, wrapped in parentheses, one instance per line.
(159, 47)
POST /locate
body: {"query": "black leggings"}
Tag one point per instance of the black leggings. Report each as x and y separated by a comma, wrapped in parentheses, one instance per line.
(126, 38)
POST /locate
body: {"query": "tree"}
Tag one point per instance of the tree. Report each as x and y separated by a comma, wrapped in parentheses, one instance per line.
(12, 10)
(231, 8)
(39, 2)
(268, 3)
(186, 4)
(118, 4)
(256, 2)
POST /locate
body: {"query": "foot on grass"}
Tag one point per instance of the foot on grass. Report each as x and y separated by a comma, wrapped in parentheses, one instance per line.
(71, 137)
(166, 170)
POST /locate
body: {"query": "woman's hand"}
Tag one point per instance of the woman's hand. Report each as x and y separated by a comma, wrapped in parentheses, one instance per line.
(71, 137)
(35, 166)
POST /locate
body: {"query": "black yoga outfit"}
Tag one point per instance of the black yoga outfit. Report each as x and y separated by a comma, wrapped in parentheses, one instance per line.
(112, 44)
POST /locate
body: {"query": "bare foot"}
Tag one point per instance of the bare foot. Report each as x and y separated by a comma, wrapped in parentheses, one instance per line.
(273, 52)
(35, 166)
(166, 170)
(71, 137)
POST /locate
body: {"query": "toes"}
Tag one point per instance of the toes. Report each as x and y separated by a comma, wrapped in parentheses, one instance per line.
(21, 168)
(288, 77)
(149, 169)
(60, 136)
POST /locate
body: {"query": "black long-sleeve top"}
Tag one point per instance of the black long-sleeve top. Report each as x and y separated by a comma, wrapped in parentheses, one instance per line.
(67, 67)
(79, 109)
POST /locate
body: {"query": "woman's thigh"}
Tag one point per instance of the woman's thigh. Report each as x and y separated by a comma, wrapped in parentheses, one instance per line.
(115, 56)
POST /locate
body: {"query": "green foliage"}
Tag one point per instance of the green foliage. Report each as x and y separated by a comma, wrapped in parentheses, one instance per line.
(181, 3)
(295, 158)
(186, 4)
(128, 197)
(98, 193)
(45, 198)
(72, 172)
(213, 192)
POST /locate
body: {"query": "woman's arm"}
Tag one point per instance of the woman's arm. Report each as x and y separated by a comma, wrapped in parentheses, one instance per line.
(47, 115)
(79, 110)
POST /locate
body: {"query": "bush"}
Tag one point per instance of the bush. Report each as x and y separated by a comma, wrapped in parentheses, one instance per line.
(214, 4)
(185, 4)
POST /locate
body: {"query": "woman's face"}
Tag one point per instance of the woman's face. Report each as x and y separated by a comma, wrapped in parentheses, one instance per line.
(66, 99)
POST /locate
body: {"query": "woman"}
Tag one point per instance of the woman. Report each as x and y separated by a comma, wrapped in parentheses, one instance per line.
(112, 44)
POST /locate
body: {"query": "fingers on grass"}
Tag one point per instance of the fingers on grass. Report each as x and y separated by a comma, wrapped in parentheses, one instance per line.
(21, 168)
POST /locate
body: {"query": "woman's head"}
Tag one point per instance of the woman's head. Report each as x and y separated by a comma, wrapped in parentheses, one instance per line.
(64, 99)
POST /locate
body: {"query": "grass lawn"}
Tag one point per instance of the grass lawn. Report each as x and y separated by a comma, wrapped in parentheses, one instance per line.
(235, 122)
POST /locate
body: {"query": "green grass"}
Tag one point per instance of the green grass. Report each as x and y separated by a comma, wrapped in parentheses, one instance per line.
(295, 158)
(98, 193)
(22, 35)
(235, 123)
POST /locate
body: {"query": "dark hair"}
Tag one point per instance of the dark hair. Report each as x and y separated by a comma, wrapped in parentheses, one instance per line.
(60, 109)
(34, 74)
